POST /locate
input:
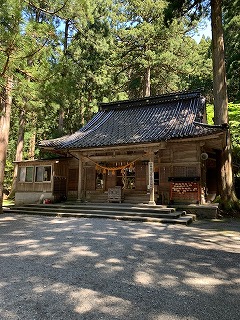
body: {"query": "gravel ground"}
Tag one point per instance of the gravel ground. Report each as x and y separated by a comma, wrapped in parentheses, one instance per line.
(68, 268)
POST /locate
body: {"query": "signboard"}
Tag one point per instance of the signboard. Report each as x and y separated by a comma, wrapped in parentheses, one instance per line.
(185, 191)
(151, 175)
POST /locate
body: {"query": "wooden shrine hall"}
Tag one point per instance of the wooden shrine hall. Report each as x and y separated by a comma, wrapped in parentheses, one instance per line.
(155, 150)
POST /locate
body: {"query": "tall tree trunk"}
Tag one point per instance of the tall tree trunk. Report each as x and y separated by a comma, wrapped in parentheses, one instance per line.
(147, 82)
(61, 120)
(66, 32)
(65, 48)
(82, 109)
(32, 143)
(220, 98)
(6, 104)
(19, 151)
(219, 71)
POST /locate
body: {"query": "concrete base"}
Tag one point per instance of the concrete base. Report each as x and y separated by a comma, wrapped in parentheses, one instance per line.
(202, 211)
(32, 197)
(152, 203)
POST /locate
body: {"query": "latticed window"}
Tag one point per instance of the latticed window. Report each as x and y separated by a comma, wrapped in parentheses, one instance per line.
(128, 178)
(165, 172)
(179, 171)
(192, 171)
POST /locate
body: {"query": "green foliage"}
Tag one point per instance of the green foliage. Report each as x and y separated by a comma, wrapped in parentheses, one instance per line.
(8, 174)
(200, 60)
(232, 45)
(234, 123)
(193, 9)
(90, 51)
(229, 209)
(210, 113)
(7, 203)
(144, 42)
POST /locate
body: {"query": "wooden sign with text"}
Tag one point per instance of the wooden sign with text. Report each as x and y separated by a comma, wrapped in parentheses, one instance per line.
(185, 190)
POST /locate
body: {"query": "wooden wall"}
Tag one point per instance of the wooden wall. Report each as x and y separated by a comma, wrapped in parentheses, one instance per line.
(174, 160)
(33, 186)
(141, 176)
(179, 160)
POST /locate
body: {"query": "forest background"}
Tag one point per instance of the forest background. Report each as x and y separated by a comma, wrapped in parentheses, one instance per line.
(65, 58)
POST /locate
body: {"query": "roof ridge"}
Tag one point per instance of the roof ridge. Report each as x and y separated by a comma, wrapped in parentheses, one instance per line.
(151, 100)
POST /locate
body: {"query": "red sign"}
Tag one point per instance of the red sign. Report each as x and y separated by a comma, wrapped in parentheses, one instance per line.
(185, 190)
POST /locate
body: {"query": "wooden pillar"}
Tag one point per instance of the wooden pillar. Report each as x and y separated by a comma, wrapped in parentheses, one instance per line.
(151, 178)
(80, 178)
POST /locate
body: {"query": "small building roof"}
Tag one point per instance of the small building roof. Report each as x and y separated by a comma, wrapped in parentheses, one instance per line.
(147, 120)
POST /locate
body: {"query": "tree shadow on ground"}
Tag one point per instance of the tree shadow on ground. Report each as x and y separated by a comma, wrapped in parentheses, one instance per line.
(58, 268)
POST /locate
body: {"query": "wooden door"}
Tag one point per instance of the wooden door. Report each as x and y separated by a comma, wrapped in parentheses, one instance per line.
(140, 176)
(73, 179)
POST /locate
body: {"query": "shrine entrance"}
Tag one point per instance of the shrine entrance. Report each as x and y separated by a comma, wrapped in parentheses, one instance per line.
(124, 178)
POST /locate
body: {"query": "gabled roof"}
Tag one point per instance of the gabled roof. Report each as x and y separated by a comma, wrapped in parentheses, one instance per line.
(147, 120)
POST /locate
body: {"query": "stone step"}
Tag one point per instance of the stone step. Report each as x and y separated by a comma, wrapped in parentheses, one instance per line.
(133, 213)
(187, 219)
(103, 207)
(97, 211)
(204, 211)
(129, 198)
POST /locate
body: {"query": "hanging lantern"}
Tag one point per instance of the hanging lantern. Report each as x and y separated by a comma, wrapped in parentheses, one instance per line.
(104, 171)
(113, 172)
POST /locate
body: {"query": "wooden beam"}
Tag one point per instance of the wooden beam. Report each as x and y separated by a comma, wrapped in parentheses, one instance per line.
(201, 138)
(119, 158)
(130, 147)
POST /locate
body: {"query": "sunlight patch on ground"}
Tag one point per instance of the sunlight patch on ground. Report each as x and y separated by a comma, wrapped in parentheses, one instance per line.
(75, 252)
(27, 242)
(113, 260)
(3, 284)
(82, 251)
(28, 253)
(208, 284)
(138, 247)
(108, 268)
(7, 219)
(168, 281)
(57, 221)
(87, 300)
(110, 265)
(143, 278)
(213, 240)
(142, 234)
(169, 316)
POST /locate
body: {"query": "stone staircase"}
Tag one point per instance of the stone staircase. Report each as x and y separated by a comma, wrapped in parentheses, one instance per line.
(128, 197)
(136, 198)
(118, 211)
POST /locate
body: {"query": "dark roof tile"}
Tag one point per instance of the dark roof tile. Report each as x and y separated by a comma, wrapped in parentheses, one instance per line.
(140, 121)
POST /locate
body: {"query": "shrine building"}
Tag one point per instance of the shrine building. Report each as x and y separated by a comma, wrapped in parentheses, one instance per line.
(154, 150)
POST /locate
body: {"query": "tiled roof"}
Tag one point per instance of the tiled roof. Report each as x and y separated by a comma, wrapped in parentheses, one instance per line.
(145, 120)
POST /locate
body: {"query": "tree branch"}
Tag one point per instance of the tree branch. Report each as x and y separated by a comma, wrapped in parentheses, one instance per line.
(5, 66)
(34, 52)
(46, 11)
